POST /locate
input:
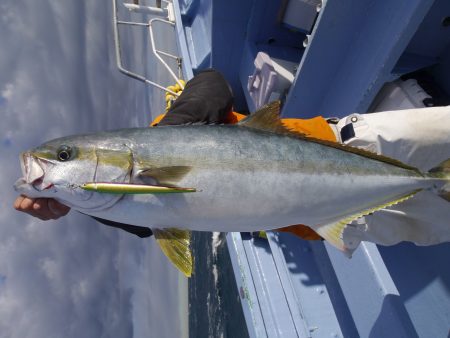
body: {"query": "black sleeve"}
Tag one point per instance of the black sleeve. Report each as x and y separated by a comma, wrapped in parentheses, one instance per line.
(134, 229)
(207, 98)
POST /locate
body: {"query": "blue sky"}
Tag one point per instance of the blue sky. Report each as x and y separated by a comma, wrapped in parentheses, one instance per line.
(72, 277)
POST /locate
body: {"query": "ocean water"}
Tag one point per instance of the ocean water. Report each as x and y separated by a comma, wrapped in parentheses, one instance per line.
(215, 309)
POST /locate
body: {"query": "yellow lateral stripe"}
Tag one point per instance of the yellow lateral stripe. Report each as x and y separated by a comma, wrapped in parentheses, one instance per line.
(128, 188)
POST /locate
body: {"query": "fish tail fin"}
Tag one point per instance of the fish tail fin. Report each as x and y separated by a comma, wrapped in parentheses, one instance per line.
(442, 172)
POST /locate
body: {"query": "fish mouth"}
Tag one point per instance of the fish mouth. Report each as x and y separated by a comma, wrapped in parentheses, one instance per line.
(33, 171)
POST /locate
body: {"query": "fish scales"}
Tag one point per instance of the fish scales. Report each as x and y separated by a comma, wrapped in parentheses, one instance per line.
(250, 179)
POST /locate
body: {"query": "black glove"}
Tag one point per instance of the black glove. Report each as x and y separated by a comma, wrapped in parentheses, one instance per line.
(206, 99)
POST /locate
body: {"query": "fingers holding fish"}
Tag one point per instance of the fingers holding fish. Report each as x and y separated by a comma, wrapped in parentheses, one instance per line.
(42, 208)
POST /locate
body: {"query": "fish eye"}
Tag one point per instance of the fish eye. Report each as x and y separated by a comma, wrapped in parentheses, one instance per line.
(64, 153)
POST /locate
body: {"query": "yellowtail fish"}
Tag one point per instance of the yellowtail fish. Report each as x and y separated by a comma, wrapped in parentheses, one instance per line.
(255, 175)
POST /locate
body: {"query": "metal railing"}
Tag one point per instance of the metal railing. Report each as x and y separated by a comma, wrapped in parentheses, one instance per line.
(168, 13)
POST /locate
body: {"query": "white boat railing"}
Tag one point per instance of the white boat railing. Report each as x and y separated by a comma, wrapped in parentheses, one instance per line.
(170, 20)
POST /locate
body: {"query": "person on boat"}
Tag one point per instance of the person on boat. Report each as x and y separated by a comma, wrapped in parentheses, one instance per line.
(419, 137)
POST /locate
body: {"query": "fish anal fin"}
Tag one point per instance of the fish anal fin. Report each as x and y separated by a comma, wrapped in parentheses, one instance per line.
(333, 232)
(167, 176)
(175, 244)
(267, 118)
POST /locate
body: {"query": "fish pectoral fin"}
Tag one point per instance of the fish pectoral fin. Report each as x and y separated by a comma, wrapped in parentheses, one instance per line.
(333, 232)
(131, 188)
(164, 175)
(175, 243)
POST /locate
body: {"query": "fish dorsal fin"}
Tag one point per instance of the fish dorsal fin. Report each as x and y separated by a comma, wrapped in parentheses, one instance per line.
(363, 152)
(175, 243)
(268, 118)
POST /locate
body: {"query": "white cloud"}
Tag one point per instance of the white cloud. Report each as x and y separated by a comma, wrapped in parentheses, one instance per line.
(71, 277)
(8, 91)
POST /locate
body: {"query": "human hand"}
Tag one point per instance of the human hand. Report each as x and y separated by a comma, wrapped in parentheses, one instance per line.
(42, 208)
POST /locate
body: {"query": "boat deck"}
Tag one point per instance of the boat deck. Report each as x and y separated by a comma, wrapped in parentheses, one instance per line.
(340, 57)
(295, 288)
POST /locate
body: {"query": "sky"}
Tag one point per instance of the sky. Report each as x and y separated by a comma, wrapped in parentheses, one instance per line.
(72, 277)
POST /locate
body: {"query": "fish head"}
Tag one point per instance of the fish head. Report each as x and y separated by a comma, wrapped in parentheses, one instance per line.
(57, 169)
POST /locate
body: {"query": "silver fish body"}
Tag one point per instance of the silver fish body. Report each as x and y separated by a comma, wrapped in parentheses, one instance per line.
(246, 179)
(253, 176)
